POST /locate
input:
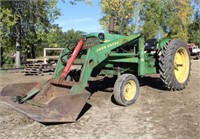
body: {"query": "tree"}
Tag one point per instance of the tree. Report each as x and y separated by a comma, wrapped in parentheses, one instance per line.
(26, 22)
(57, 38)
(194, 29)
(182, 16)
(72, 37)
(123, 11)
(169, 16)
(152, 17)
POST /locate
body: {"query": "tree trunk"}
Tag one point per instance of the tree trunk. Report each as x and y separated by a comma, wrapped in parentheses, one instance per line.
(1, 49)
(1, 56)
(33, 50)
(18, 44)
(28, 54)
(17, 55)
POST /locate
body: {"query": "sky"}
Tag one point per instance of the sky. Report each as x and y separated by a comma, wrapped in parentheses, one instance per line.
(81, 16)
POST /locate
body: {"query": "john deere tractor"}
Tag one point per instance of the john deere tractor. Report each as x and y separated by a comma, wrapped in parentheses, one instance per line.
(62, 98)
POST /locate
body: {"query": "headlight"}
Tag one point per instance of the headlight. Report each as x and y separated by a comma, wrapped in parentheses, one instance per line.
(101, 36)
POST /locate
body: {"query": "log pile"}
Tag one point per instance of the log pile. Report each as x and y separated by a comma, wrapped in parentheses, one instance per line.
(39, 68)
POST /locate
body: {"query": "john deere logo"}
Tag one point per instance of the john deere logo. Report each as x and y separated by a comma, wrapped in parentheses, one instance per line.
(107, 46)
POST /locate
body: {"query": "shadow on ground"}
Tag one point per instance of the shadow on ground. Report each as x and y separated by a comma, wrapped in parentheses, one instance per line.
(153, 82)
(107, 84)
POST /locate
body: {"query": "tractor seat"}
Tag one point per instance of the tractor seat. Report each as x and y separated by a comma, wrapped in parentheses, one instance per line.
(150, 45)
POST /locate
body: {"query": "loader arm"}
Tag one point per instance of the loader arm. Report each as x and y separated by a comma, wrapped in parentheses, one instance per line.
(99, 53)
(95, 56)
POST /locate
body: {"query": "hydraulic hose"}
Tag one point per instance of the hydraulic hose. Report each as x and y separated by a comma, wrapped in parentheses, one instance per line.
(68, 56)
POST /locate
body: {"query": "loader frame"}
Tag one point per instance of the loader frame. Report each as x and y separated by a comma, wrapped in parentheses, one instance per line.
(103, 59)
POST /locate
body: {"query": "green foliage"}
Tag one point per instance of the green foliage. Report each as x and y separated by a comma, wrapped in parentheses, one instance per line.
(8, 60)
(7, 20)
(151, 14)
(57, 38)
(8, 57)
(172, 16)
(182, 17)
(30, 22)
(72, 37)
(26, 23)
(123, 11)
(169, 16)
(194, 30)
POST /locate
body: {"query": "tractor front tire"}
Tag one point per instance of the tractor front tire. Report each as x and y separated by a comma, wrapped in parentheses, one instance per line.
(126, 89)
(175, 65)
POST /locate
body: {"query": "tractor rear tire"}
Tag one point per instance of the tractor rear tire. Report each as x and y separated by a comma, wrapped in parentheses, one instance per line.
(175, 65)
(126, 89)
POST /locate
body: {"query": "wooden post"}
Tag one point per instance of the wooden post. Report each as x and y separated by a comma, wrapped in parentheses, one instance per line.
(45, 56)
(45, 53)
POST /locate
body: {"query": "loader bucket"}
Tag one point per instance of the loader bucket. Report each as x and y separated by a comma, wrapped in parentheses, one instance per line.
(48, 103)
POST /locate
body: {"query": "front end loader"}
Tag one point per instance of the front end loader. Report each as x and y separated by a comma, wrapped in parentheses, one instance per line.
(62, 98)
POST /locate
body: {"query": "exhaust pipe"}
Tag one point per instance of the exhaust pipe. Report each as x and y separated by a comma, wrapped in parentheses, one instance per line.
(111, 25)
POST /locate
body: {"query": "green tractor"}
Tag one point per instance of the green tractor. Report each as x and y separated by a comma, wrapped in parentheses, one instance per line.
(62, 98)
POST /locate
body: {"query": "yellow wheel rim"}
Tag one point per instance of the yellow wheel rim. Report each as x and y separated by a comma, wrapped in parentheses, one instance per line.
(129, 90)
(181, 65)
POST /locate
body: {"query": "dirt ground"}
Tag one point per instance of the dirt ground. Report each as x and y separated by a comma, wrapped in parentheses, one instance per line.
(156, 114)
